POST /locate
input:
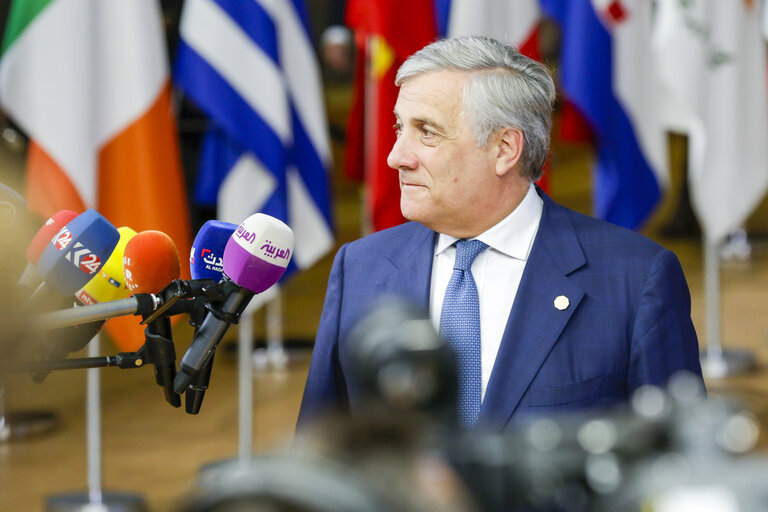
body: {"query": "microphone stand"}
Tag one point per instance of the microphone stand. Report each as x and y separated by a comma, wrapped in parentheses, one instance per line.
(197, 388)
(122, 360)
(160, 351)
(195, 393)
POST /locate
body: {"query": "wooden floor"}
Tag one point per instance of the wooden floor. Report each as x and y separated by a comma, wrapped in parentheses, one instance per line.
(154, 450)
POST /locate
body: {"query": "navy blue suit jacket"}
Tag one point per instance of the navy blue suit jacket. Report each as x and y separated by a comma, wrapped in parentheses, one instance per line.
(628, 322)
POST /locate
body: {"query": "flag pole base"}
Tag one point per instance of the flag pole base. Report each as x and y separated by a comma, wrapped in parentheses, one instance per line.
(110, 502)
(17, 425)
(726, 363)
(215, 473)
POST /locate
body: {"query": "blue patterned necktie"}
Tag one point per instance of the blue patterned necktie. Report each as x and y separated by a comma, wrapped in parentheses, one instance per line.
(460, 326)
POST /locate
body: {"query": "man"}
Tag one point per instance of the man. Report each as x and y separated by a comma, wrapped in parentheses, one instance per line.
(570, 312)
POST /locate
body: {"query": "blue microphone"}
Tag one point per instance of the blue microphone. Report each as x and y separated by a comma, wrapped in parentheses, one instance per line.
(207, 254)
(74, 255)
(206, 261)
(77, 252)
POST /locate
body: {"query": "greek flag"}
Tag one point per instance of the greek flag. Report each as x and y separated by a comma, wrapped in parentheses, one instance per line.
(251, 68)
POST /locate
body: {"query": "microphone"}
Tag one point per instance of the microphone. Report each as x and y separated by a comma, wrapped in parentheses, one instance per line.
(74, 255)
(147, 305)
(205, 262)
(107, 285)
(16, 228)
(255, 258)
(151, 261)
(207, 254)
(142, 267)
(137, 304)
(30, 278)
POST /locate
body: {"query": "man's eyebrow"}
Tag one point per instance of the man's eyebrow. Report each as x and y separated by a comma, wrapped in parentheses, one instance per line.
(429, 122)
(418, 121)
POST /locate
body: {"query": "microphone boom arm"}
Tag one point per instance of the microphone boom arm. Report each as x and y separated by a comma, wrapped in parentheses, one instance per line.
(124, 360)
(133, 305)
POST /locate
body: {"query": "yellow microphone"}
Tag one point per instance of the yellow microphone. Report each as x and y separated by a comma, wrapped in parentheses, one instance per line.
(109, 283)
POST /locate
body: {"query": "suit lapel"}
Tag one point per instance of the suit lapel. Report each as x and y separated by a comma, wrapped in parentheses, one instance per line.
(535, 323)
(411, 274)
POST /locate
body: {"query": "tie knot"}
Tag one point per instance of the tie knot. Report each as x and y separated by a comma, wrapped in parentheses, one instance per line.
(466, 252)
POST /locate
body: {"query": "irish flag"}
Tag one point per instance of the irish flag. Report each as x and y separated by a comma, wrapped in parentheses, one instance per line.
(87, 80)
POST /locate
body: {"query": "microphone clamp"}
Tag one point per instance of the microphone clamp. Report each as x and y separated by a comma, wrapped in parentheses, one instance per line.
(175, 291)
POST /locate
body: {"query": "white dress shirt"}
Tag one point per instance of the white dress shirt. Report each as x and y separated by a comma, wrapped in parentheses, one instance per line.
(497, 272)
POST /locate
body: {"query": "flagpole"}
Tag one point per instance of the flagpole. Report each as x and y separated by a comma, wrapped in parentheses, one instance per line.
(274, 329)
(717, 363)
(93, 425)
(245, 378)
(369, 105)
(94, 499)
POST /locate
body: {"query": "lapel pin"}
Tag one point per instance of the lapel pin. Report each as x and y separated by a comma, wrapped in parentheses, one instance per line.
(562, 302)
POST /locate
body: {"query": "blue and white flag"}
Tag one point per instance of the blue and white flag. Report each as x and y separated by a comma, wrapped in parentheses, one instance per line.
(250, 66)
(607, 71)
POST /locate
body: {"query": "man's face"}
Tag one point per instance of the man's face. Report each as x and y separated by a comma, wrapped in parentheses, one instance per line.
(447, 182)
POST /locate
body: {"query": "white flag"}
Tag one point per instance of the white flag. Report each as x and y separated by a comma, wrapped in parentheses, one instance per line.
(511, 22)
(711, 60)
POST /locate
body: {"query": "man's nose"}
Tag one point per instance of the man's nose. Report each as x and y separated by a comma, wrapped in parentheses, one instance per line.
(401, 156)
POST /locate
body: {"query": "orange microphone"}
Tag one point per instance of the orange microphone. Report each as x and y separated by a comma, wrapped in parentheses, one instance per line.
(150, 263)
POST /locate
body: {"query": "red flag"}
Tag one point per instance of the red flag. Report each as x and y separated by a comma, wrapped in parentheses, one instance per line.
(386, 33)
(530, 48)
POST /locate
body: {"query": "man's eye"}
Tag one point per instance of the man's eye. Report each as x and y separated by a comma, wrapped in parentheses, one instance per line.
(427, 133)
(398, 128)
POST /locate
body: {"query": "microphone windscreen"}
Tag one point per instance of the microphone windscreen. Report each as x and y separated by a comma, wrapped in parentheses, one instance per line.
(150, 262)
(258, 252)
(109, 283)
(77, 251)
(207, 254)
(46, 232)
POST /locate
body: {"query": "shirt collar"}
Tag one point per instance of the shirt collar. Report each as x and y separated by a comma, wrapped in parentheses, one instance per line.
(514, 234)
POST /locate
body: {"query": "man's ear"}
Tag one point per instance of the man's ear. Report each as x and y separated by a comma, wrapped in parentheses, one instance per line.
(510, 149)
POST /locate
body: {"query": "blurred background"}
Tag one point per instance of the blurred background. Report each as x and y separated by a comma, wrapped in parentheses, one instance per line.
(164, 115)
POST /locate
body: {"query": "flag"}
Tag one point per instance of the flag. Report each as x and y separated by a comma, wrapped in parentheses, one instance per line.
(711, 58)
(514, 23)
(88, 82)
(386, 33)
(251, 68)
(764, 19)
(607, 72)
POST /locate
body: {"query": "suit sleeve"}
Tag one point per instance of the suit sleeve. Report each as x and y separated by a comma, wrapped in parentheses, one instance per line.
(663, 339)
(325, 389)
